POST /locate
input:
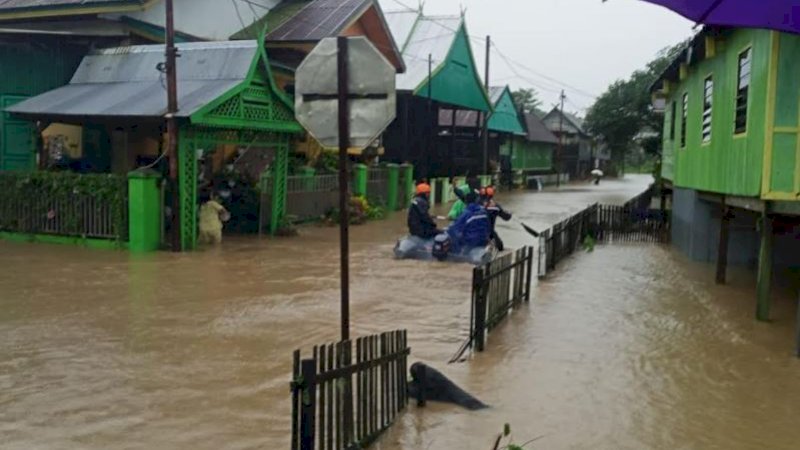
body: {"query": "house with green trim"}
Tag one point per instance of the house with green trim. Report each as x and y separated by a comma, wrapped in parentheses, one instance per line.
(731, 150)
(530, 154)
(229, 107)
(440, 74)
(462, 130)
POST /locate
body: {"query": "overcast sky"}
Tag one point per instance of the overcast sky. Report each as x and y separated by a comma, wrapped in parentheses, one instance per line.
(583, 44)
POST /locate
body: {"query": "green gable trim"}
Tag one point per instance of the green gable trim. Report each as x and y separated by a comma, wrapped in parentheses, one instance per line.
(255, 104)
(505, 118)
(456, 81)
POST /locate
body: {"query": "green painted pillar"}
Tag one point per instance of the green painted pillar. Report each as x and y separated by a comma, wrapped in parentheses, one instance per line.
(280, 174)
(394, 184)
(408, 182)
(308, 177)
(144, 211)
(360, 180)
(765, 268)
(433, 183)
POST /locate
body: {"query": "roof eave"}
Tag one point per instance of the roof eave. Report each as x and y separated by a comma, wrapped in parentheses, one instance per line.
(35, 12)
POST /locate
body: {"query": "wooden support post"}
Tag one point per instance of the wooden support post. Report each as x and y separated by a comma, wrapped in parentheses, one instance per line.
(480, 309)
(344, 200)
(765, 267)
(724, 235)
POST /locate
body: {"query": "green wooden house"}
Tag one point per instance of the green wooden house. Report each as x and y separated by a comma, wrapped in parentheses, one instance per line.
(731, 149)
(531, 153)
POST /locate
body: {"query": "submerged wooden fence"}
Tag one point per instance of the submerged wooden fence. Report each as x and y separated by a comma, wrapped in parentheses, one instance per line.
(633, 222)
(342, 400)
(497, 287)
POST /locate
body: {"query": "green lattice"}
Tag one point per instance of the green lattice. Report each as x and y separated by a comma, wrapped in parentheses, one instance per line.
(187, 182)
(280, 170)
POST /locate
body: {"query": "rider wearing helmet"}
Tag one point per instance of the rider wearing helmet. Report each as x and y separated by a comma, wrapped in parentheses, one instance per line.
(494, 210)
(420, 222)
(472, 227)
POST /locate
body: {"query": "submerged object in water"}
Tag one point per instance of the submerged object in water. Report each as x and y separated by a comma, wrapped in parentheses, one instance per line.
(414, 247)
(428, 383)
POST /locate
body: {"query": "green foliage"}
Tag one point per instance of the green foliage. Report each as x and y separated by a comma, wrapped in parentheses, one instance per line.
(528, 101)
(328, 162)
(56, 202)
(509, 444)
(360, 211)
(625, 108)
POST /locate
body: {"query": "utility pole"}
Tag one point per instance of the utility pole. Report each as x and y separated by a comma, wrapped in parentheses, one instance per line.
(485, 131)
(344, 201)
(560, 139)
(172, 125)
(433, 123)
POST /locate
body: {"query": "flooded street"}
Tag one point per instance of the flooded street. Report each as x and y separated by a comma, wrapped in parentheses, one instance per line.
(627, 347)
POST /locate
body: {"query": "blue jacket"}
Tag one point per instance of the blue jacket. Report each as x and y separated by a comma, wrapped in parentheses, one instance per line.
(472, 229)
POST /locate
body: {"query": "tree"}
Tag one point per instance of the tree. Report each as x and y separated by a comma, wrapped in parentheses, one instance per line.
(625, 108)
(528, 100)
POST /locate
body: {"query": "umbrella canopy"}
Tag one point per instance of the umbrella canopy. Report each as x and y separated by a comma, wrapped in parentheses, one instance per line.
(781, 15)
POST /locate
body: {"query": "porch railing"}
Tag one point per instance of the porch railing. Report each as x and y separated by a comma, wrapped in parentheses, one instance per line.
(64, 204)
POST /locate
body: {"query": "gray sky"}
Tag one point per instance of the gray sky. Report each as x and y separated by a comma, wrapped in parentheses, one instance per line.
(583, 44)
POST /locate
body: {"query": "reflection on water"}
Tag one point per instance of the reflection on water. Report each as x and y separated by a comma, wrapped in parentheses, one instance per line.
(627, 347)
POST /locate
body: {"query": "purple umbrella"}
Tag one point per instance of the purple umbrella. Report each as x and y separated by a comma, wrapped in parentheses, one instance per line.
(781, 15)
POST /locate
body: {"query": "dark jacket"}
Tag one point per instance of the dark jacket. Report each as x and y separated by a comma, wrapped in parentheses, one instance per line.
(495, 210)
(472, 229)
(420, 222)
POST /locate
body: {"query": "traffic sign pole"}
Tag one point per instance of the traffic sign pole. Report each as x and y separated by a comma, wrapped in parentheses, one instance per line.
(344, 210)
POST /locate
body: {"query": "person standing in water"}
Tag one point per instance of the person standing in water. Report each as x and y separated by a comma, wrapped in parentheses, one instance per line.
(420, 222)
(494, 210)
(212, 215)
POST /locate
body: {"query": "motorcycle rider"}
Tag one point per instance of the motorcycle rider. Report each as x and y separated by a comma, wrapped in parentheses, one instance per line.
(472, 227)
(494, 210)
(420, 222)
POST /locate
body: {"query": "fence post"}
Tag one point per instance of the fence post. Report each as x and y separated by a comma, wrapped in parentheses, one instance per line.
(480, 307)
(308, 369)
(360, 180)
(394, 184)
(529, 272)
(144, 211)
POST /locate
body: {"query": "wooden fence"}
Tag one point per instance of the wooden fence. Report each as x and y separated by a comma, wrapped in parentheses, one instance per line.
(497, 287)
(338, 403)
(633, 222)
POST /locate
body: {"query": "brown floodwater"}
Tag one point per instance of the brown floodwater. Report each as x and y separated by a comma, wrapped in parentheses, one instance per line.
(631, 346)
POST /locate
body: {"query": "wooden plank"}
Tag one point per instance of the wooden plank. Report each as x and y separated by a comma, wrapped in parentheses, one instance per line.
(295, 401)
(337, 361)
(382, 384)
(308, 369)
(331, 396)
(360, 391)
(348, 394)
(322, 387)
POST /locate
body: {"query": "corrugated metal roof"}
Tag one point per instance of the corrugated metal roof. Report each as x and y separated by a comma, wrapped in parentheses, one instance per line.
(51, 4)
(537, 131)
(401, 23)
(319, 20)
(432, 36)
(97, 27)
(124, 81)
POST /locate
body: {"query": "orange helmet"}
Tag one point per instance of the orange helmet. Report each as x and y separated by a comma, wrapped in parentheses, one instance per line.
(423, 188)
(489, 191)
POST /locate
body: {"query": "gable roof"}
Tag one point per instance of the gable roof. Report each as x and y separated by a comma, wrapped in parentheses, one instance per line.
(504, 118)
(536, 131)
(124, 82)
(322, 19)
(572, 120)
(444, 39)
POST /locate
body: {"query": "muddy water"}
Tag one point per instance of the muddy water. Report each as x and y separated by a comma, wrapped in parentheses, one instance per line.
(628, 347)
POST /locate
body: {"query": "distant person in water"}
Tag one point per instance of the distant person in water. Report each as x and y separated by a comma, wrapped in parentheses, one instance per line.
(212, 215)
(420, 222)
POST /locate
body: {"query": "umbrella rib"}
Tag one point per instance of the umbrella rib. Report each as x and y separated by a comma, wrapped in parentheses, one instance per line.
(708, 12)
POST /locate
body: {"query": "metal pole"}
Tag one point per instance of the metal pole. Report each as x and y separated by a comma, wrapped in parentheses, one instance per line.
(560, 140)
(485, 130)
(430, 124)
(172, 125)
(722, 250)
(344, 214)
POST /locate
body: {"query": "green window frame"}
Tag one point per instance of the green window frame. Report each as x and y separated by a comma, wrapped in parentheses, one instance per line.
(684, 116)
(708, 97)
(745, 63)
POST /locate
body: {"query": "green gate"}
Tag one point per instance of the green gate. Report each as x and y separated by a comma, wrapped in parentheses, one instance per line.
(16, 146)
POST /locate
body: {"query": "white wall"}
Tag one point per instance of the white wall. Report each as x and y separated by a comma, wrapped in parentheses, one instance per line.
(208, 19)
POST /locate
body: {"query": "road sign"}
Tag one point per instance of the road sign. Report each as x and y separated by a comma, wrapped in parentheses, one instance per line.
(370, 92)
